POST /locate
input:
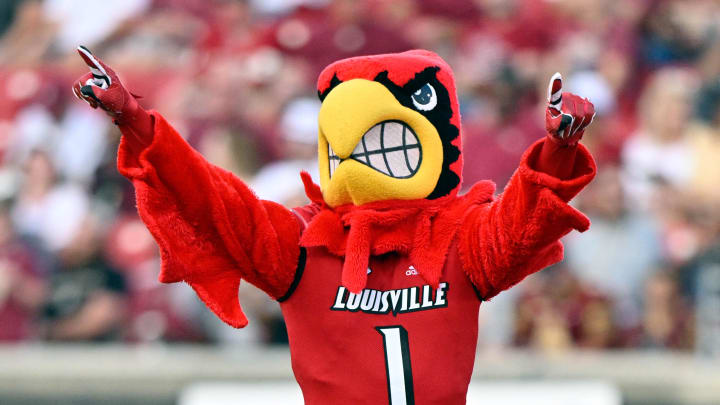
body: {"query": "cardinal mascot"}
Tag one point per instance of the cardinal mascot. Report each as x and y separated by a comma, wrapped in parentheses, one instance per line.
(380, 278)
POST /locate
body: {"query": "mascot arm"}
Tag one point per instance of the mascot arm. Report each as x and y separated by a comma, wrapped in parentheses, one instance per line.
(518, 234)
(211, 229)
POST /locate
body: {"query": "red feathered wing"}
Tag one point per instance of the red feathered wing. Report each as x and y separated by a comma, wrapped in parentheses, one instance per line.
(518, 234)
(211, 229)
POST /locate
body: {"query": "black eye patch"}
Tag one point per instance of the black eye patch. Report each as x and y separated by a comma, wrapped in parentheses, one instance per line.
(333, 83)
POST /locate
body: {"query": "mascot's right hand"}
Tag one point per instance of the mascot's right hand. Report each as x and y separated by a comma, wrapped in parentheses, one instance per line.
(102, 88)
(566, 115)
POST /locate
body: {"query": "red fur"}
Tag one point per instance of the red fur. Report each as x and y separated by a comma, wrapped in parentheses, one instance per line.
(422, 229)
(518, 234)
(211, 229)
(557, 160)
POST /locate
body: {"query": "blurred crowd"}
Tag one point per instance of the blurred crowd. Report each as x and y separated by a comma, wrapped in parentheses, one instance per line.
(237, 78)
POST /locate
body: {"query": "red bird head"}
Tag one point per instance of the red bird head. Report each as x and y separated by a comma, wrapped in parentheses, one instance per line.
(389, 129)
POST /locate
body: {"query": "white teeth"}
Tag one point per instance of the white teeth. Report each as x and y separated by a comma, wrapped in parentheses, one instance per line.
(396, 160)
(394, 133)
(333, 160)
(413, 156)
(390, 147)
(377, 162)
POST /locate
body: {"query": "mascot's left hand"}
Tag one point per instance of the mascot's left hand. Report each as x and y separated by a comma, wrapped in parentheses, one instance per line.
(101, 87)
(567, 115)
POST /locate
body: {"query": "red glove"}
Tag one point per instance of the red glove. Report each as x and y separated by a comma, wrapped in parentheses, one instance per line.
(567, 115)
(102, 88)
(566, 118)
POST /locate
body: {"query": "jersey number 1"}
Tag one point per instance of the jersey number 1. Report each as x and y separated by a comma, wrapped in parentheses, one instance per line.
(397, 365)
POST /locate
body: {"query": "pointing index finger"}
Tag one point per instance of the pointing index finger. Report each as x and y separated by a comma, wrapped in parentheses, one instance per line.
(101, 78)
(555, 92)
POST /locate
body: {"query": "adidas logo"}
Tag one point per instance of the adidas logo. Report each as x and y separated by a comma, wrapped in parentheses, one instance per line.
(411, 271)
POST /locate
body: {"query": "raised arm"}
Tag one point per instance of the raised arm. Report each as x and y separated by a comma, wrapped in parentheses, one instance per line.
(518, 234)
(211, 229)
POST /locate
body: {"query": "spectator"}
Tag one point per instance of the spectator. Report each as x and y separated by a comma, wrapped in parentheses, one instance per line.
(556, 311)
(659, 152)
(667, 321)
(22, 286)
(278, 181)
(86, 299)
(45, 210)
(621, 251)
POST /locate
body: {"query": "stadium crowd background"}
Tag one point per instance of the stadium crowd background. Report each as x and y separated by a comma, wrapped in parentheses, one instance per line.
(238, 79)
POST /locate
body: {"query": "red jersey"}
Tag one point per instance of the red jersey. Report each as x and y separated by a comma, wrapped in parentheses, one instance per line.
(399, 341)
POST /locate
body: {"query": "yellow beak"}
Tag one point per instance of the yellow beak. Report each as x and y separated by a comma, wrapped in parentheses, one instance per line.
(372, 148)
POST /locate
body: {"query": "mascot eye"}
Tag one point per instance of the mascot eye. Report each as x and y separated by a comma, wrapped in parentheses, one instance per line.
(425, 98)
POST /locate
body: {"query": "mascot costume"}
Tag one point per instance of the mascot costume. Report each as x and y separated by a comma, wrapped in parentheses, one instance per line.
(381, 276)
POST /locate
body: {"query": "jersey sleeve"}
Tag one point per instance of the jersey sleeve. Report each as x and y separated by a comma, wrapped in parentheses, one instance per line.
(517, 234)
(211, 229)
